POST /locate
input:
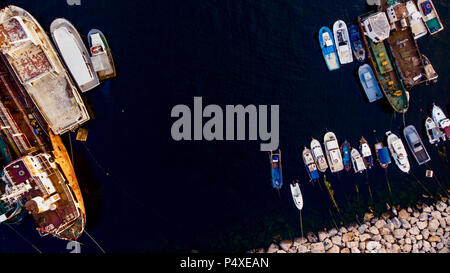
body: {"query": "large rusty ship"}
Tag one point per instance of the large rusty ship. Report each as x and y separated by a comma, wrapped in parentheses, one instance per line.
(37, 66)
(39, 174)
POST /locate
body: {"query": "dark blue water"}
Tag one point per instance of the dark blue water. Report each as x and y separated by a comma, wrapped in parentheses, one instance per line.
(145, 192)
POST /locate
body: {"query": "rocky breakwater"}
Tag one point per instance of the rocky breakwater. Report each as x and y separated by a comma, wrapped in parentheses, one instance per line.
(422, 229)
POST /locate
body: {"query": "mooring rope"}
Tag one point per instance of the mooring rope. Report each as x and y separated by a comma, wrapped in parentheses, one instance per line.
(92, 238)
(301, 223)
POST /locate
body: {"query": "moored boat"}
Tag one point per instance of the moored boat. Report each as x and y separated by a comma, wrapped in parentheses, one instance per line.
(333, 152)
(398, 152)
(37, 66)
(319, 156)
(328, 48)
(441, 120)
(382, 155)
(369, 83)
(342, 41)
(366, 153)
(74, 53)
(416, 145)
(276, 170)
(357, 44)
(415, 19)
(357, 161)
(346, 158)
(297, 195)
(430, 16)
(435, 135)
(101, 55)
(310, 164)
(430, 73)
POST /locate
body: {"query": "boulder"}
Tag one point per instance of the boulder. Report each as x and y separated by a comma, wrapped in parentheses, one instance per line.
(399, 233)
(407, 248)
(347, 237)
(364, 237)
(333, 249)
(281, 251)
(436, 214)
(374, 230)
(439, 246)
(423, 216)
(317, 248)
(345, 250)
(312, 238)
(422, 225)
(408, 241)
(273, 248)
(389, 238)
(434, 238)
(300, 241)
(426, 208)
(332, 232)
(413, 220)
(373, 245)
(355, 250)
(322, 236)
(441, 206)
(384, 231)
(380, 224)
(396, 222)
(302, 249)
(343, 230)
(286, 245)
(447, 220)
(442, 222)
(444, 250)
(405, 224)
(352, 245)
(362, 228)
(395, 249)
(403, 214)
(414, 231)
(426, 246)
(425, 234)
(433, 225)
(419, 237)
(362, 245)
(337, 240)
(327, 244)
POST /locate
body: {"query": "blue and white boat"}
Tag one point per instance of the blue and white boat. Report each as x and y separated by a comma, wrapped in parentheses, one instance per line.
(382, 155)
(328, 48)
(276, 170)
(357, 44)
(310, 164)
(346, 158)
(415, 144)
(369, 83)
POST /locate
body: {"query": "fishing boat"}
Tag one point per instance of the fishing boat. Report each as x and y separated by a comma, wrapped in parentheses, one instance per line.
(357, 44)
(310, 164)
(333, 153)
(441, 120)
(430, 16)
(328, 48)
(366, 153)
(101, 55)
(342, 41)
(435, 135)
(276, 170)
(36, 65)
(416, 145)
(357, 161)
(297, 195)
(430, 73)
(346, 158)
(398, 152)
(415, 19)
(318, 155)
(369, 83)
(382, 155)
(74, 53)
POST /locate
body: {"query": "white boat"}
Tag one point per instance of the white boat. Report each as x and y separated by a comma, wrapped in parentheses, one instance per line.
(319, 156)
(398, 152)
(342, 41)
(357, 161)
(74, 53)
(297, 195)
(101, 55)
(441, 120)
(310, 164)
(434, 134)
(333, 152)
(430, 16)
(416, 23)
(366, 153)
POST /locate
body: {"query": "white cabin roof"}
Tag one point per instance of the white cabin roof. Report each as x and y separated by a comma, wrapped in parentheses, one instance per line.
(377, 27)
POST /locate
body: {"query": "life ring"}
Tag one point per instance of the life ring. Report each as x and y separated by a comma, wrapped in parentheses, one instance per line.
(429, 6)
(21, 172)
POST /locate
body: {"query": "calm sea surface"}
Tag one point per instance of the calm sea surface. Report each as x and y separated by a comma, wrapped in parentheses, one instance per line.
(145, 192)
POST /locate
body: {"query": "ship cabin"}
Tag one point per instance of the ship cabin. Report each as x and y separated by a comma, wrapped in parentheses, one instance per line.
(376, 27)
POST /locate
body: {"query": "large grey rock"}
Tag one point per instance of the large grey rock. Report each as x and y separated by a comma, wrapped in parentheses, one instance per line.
(405, 224)
(322, 236)
(374, 230)
(436, 215)
(433, 225)
(396, 222)
(414, 231)
(423, 216)
(373, 245)
(317, 248)
(413, 220)
(352, 245)
(364, 237)
(334, 249)
(425, 234)
(389, 238)
(332, 232)
(302, 249)
(422, 225)
(426, 209)
(362, 228)
(384, 231)
(355, 250)
(444, 250)
(337, 240)
(407, 248)
(426, 246)
(380, 224)
(399, 233)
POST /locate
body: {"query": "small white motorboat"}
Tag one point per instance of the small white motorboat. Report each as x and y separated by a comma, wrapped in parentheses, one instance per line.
(342, 41)
(434, 134)
(357, 161)
(297, 195)
(333, 152)
(398, 152)
(319, 157)
(441, 120)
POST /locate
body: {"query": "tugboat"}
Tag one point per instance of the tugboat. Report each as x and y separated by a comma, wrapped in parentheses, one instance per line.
(101, 55)
(382, 155)
(318, 156)
(398, 152)
(333, 153)
(416, 145)
(366, 153)
(276, 170)
(297, 195)
(441, 120)
(430, 16)
(328, 48)
(346, 158)
(434, 134)
(310, 164)
(342, 42)
(358, 162)
(369, 83)
(357, 44)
